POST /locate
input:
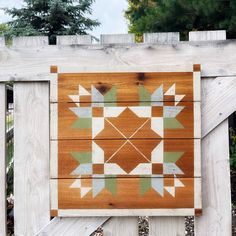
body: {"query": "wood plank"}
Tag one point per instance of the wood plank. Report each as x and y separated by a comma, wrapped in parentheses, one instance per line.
(169, 226)
(127, 125)
(207, 35)
(219, 101)
(32, 41)
(216, 218)
(123, 193)
(33, 63)
(65, 162)
(117, 38)
(168, 37)
(3, 230)
(72, 226)
(116, 226)
(31, 159)
(74, 39)
(127, 87)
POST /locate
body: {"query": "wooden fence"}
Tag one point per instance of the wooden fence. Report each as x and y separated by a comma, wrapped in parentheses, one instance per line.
(27, 63)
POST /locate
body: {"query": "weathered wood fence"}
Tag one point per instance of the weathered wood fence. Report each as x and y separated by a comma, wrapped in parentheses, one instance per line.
(27, 63)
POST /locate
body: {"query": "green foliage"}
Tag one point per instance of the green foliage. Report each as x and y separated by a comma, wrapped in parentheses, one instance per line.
(51, 17)
(233, 149)
(181, 16)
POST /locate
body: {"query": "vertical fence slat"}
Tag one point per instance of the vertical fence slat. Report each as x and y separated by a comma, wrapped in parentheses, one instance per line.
(168, 226)
(216, 218)
(2, 160)
(125, 226)
(31, 163)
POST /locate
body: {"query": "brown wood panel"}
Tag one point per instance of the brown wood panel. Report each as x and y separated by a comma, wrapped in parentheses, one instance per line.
(126, 84)
(128, 125)
(128, 157)
(126, 195)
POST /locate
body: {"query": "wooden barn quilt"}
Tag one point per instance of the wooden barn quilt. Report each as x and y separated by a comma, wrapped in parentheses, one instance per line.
(126, 144)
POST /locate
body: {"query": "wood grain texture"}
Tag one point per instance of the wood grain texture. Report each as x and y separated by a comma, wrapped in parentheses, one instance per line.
(219, 101)
(169, 226)
(72, 226)
(216, 218)
(116, 226)
(66, 163)
(127, 85)
(127, 196)
(2, 160)
(31, 159)
(33, 63)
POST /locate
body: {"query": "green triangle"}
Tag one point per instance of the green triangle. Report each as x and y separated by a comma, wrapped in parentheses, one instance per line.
(172, 157)
(82, 157)
(110, 184)
(145, 185)
(110, 96)
(82, 123)
(172, 123)
(144, 96)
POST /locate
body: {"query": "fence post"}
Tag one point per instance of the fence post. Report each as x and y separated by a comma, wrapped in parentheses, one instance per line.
(31, 162)
(3, 230)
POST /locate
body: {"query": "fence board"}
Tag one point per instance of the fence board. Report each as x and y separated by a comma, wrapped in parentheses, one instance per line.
(74, 39)
(216, 218)
(2, 41)
(2, 160)
(168, 226)
(207, 35)
(72, 226)
(125, 226)
(169, 37)
(117, 38)
(31, 143)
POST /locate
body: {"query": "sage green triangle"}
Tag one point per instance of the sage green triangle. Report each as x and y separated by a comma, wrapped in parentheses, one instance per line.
(110, 184)
(145, 185)
(110, 96)
(172, 123)
(82, 123)
(82, 157)
(172, 157)
(144, 96)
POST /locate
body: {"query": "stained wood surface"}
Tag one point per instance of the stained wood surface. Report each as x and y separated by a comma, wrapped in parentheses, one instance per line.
(216, 218)
(2, 160)
(127, 196)
(31, 157)
(126, 84)
(67, 163)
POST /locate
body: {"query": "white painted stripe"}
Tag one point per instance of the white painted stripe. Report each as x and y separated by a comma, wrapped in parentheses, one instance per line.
(126, 212)
(197, 119)
(197, 193)
(54, 159)
(196, 86)
(54, 121)
(53, 87)
(197, 158)
(54, 194)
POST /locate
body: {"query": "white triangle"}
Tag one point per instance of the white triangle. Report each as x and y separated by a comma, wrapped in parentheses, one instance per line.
(157, 125)
(142, 111)
(157, 153)
(178, 98)
(75, 98)
(84, 191)
(83, 91)
(113, 111)
(142, 169)
(170, 190)
(76, 184)
(97, 126)
(97, 154)
(178, 183)
(113, 169)
(171, 90)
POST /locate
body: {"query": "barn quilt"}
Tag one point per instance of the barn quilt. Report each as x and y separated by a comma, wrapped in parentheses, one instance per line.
(126, 144)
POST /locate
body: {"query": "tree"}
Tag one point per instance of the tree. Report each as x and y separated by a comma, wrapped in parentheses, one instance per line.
(181, 15)
(51, 18)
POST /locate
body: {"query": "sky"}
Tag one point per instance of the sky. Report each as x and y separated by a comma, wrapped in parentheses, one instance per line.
(110, 13)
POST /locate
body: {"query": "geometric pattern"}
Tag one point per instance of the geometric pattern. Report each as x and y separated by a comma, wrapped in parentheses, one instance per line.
(152, 115)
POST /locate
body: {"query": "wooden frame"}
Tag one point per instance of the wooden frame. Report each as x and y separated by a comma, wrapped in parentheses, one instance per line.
(219, 99)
